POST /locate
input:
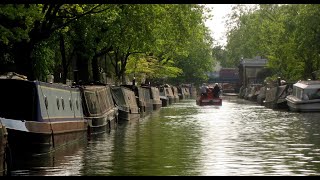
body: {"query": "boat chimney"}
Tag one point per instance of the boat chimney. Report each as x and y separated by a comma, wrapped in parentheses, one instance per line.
(279, 81)
(134, 81)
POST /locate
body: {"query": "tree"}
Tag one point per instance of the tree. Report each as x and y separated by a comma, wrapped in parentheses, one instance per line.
(220, 54)
(286, 35)
(36, 23)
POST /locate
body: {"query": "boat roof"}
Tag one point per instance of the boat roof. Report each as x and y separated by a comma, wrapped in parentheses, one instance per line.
(313, 84)
(16, 83)
(93, 87)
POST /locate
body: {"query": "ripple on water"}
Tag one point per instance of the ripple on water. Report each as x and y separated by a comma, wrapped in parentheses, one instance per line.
(238, 138)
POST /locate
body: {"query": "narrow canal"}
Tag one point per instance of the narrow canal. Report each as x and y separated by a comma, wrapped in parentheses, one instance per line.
(238, 138)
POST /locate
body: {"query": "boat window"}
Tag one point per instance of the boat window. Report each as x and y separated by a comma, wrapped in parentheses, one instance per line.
(118, 95)
(91, 102)
(58, 103)
(70, 103)
(315, 94)
(46, 101)
(77, 104)
(305, 96)
(311, 93)
(102, 100)
(62, 103)
(297, 92)
(294, 92)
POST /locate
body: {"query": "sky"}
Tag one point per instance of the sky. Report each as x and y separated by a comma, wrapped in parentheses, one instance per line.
(217, 23)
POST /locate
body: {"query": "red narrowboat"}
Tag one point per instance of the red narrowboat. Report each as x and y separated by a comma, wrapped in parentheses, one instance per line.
(209, 99)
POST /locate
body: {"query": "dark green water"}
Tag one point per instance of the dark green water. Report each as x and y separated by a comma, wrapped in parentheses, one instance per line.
(238, 138)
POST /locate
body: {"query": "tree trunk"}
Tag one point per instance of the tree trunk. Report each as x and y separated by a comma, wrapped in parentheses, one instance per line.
(64, 60)
(81, 62)
(116, 66)
(95, 69)
(82, 68)
(122, 71)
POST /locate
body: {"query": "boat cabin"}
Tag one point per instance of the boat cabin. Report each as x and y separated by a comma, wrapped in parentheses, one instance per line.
(99, 108)
(307, 90)
(41, 116)
(305, 96)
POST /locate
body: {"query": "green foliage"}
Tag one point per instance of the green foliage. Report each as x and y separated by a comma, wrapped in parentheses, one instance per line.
(287, 35)
(199, 61)
(42, 58)
(17, 21)
(174, 34)
(151, 67)
(170, 32)
(220, 54)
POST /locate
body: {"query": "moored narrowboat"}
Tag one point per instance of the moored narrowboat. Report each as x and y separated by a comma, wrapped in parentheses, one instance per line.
(126, 102)
(262, 95)
(98, 108)
(175, 94)
(166, 91)
(155, 96)
(186, 92)
(276, 97)
(40, 116)
(253, 92)
(143, 98)
(144, 95)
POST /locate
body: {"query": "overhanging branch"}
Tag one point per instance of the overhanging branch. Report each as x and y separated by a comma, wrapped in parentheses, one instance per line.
(79, 16)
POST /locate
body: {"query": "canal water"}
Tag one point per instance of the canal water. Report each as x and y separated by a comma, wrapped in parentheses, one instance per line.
(240, 138)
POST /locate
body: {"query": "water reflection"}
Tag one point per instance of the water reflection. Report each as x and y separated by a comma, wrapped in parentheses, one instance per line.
(66, 161)
(238, 138)
(98, 155)
(155, 147)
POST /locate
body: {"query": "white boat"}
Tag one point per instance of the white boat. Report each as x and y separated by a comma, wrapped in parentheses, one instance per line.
(305, 96)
